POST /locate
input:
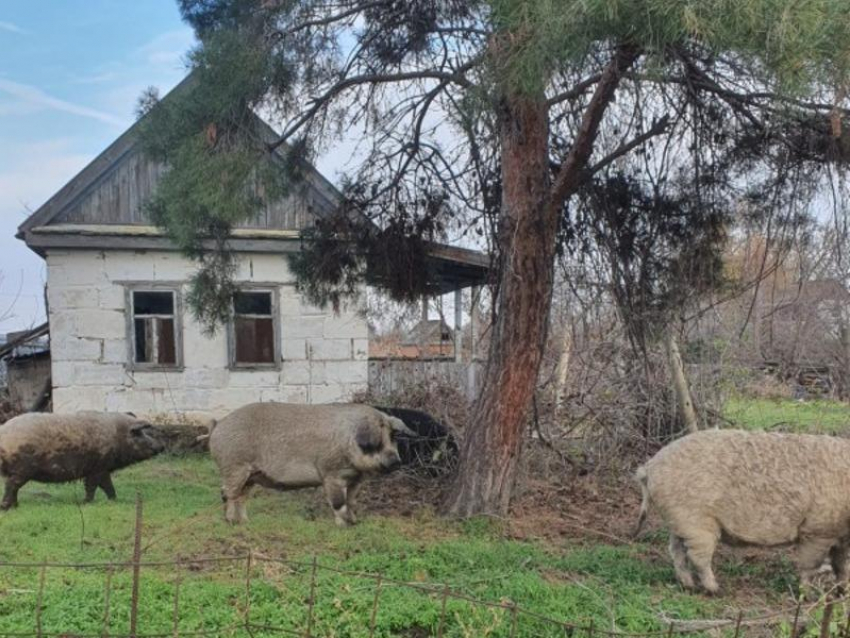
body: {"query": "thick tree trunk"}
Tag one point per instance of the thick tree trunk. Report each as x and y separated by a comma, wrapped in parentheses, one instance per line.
(493, 442)
(684, 400)
(531, 207)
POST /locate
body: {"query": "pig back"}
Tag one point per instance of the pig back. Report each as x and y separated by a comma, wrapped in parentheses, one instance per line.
(58, 447)
(272, 436)
(760, 488)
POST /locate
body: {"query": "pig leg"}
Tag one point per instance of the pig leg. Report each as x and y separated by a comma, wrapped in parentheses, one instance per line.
(103, 481)
(838, 560)
(10, 497)
(700, 543)
(810, 557)
(351, 497)
(335, 490)
(91, 482)
(678, 552)
(106, 485)
(234, 491)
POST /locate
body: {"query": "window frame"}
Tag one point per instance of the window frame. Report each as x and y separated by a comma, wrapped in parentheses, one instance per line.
(274, 291)
(130, 314)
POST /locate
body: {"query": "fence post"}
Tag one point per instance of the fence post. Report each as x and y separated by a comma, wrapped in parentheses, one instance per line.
(107, 595)
(374, 617)
(826, 620)
(137, 557)
(312, 601)
(248, 590)
(672, 628)
(796, 619)
(590, 629)
(514, 619)
(442, 624)
(738, 623)
(39, 603)
(175, 617)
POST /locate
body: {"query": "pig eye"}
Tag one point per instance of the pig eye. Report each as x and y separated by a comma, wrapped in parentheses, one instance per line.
(368, 439)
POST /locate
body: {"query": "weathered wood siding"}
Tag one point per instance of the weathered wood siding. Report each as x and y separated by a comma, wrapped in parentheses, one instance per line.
(393, 376)
(118, 197)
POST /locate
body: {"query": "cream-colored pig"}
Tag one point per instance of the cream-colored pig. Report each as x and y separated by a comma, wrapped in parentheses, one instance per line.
(751, 488)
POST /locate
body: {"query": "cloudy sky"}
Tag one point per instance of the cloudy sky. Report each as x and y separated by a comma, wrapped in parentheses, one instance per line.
(71, 72)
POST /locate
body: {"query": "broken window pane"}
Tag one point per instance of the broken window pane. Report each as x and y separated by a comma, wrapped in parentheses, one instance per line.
(153, 303)
(253, 328)
(253, 303)
(154, 328)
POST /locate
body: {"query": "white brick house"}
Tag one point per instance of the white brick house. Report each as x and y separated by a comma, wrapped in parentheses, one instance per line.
(122, 337)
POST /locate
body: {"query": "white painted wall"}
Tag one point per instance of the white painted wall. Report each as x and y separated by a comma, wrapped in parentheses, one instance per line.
(324, 356)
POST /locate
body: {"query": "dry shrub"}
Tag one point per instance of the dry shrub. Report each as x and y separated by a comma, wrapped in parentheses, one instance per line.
(445, 403)
(617, 407)
(7, 410)
(762, 385)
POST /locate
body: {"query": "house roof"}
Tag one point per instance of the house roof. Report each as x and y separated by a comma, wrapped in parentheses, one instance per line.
(102, 207)
(21, 343)
(428, 332)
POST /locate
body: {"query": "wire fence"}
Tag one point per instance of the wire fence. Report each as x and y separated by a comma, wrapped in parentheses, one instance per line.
(269, 596)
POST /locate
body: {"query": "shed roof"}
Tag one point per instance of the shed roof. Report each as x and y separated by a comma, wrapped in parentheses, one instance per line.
(102, 207)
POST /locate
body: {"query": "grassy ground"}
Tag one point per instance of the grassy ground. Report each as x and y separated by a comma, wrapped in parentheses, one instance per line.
(622, 587)
(819, 416)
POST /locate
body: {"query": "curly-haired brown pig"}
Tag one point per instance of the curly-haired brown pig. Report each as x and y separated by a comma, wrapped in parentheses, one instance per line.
(751, 488)
(56, 448)
(288, 446)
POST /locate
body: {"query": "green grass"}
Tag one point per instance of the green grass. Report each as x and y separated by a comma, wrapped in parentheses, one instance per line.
(816, 417)
(624, 587)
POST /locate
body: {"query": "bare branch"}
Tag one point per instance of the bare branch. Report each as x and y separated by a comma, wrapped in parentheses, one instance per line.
(658, 127)
(570, 175)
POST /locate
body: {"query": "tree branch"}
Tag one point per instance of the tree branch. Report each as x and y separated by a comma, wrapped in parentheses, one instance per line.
(574, 91)
(456, 77)
(658, 127)
(572, 169)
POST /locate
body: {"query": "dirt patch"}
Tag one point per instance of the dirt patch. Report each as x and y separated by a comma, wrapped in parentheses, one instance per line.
(581, 507)
(401, 494)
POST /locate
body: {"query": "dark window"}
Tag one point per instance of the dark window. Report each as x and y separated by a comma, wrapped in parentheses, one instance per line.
(253, 328)
(154, 328)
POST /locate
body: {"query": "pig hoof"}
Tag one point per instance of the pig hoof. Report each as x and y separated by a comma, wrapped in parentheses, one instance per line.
(344, 517)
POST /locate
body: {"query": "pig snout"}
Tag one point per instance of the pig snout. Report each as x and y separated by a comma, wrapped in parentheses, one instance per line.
(391, 461)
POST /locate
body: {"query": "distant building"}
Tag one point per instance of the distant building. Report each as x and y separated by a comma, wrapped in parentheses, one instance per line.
(25, 357)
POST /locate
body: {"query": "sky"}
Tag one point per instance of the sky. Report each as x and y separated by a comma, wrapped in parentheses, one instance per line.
(71, 72)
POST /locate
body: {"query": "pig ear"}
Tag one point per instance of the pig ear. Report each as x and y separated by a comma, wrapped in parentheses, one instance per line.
(368, 438)
(399, 426)
(138, 428)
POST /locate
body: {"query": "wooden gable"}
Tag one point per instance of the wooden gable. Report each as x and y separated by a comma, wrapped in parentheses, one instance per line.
(118, 196)
(112, 190)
